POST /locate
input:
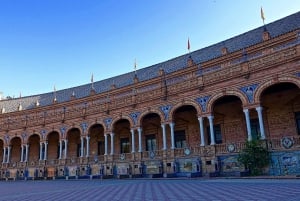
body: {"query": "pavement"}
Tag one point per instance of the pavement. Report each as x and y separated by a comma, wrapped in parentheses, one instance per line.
(152, 189)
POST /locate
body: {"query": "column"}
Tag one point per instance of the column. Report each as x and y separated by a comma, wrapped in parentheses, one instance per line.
(172, 135)
(81, 146)
(200, 119)
(132, 141)
(66, 148)
(105, 144)
(163, 126)
(60, 149)
(261, 123)
(211, 127)
(112, 143)
(4, 154)
(140, 139)
(87, 146)
(46, 150)
(8, 154)
(22, 153)
(26, 152)
(246, 112)
(41, 150)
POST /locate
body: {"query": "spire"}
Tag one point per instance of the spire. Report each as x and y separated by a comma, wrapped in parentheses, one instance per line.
(92, 81)
(188, 45)
(262, 15)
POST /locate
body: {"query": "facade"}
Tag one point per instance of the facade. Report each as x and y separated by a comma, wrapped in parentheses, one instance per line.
(189, 116)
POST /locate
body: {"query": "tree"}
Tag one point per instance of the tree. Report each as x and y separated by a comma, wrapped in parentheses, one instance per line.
(254, 157)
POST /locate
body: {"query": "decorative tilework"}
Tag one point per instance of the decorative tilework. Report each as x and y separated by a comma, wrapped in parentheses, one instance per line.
(107, 122)
(166, 109)
(7, 138)
(298, 74)
(43, 134)
(134, 116)
(249, 91)
(24, 136)
(63, 131)
(203, 102)
(84, 126)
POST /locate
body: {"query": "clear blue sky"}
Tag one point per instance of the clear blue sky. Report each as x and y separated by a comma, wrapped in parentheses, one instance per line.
(63, 42)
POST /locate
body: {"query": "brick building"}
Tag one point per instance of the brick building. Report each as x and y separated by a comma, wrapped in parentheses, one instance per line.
(188, 116)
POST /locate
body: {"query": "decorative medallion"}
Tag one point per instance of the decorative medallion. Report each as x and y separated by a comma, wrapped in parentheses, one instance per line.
(122, 156)
(187, 151)
(231, 148)
(134, 116)
(152, 154)
(107, 122)
(287, 142)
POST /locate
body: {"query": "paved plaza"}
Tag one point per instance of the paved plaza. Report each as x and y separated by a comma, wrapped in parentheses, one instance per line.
(160, 189)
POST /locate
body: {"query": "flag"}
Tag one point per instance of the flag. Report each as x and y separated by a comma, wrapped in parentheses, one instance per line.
(92, 78)
(188, 44)
(134, 65)
(262, 15)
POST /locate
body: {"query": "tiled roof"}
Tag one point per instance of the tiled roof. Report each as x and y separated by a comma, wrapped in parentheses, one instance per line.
(282, 26)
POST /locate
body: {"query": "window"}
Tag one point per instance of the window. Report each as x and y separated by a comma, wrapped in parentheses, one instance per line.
(255, 130)
(217, 132)
(124, 145)
(150, 142)
(180, 141)
(297, 118)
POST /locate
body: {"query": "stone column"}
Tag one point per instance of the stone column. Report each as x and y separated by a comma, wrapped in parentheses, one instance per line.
(163, 126)
(81, 146)
(211, 127)
(4, 155)
(46, 150)
(87, 146)
(112, 143)
(26, 152)
(246, 112)
(140, 139)
(60, 149)
(8, 154)
(200, 119)
(66, 148)
(132, 141)
(105, 144)
(261, 123)
(172, 124)
(41, 151)
(22, 153)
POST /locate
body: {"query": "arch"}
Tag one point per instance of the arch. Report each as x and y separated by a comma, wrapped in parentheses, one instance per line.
(11, 139)
(32, 134)
(94, 124)
(185, 103)
(215, 97)
(72, 128)
(265, 85)
(126, 117)
(53, 131)
(149, 111)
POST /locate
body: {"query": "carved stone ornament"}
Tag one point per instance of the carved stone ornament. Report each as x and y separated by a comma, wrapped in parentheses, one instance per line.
(287, 142)
(152, 154)
(231, 148)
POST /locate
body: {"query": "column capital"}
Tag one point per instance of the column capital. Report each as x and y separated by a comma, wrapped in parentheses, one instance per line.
(259, 108)
(246, 110)
(210, 117)
(139, 129)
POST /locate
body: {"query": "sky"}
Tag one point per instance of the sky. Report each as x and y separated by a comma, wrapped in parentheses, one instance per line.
(62, 43)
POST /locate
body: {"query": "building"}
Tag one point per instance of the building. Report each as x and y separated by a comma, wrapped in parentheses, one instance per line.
(188, 116)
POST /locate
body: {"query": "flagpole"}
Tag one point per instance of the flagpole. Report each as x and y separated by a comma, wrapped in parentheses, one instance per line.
(262, 15)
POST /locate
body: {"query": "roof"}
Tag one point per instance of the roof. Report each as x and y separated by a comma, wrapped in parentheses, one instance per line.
(250, 38)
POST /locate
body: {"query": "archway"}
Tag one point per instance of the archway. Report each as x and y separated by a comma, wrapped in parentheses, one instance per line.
(53, 145)
(15, 145)
(281, 107)
(152, 137)
(97, 141)
(229, 120)
(121, 129)
(186, 130)
(34, 148)
(74, 143)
